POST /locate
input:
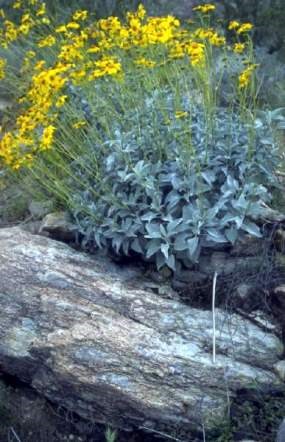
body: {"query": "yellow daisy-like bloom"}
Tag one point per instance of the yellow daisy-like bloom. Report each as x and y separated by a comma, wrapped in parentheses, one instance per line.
(177, 50)
(245, 27)
(30, 54)
(217, 40)
(45, 21)
(61, 29)
(181, 114)
(48, 41)
(3, 63)
(145, 62)
(47, 137)
(93, 50)
(233, 25)
(40, 65)
(80, 15)
(73, 25)
(42, 10)
(246, 75)
(105, 66)
(77, 76)
(79, 124)
(238, 48)
(196, 51)
(61, 101)
(17, 5)
(207, 7)
(141, 12)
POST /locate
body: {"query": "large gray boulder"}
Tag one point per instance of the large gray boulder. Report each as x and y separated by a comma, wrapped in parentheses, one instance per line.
(89, 336)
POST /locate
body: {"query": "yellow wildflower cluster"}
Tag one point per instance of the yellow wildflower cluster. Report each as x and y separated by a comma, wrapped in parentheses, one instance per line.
(29, 20)
(240, 28)
(211, 35)
(50, 40)
(207, 7)
(2, 68)
(105, 66)
(82, 51)
(238, 48)
(196, 51)
(145, 62)
(246, 76)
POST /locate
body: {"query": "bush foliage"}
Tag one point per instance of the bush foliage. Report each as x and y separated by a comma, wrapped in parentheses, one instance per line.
(166, 188)
(122, 123)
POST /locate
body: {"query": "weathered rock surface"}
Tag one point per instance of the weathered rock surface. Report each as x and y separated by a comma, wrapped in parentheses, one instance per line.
(87, 335)
(59, 226)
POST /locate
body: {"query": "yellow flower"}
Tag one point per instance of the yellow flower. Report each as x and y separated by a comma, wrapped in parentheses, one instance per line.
(40, 65)
(106, 66)
(145, 62)
(177, 50)
(238, 48)
(30, 54)
(42, 10)
(24, 29)
(181, 114)
(17, 4)
(78, 75)
(207, 7)
(73, 25)
(61, 100)
(3, 63)
(45, 21)
(79, 124)
(246, 75)
(196, 51)
(10, 32)
(80, 15)
(93, 50)
(48, 41)
(141, 12)
(61, 29)
(245, 27)
(217, 40)
(233, 25)
(47, 137)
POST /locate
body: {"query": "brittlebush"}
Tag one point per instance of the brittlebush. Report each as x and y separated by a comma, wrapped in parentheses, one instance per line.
(84, 51)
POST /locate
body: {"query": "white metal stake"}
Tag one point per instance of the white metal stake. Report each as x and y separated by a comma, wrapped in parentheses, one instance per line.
(214, 315)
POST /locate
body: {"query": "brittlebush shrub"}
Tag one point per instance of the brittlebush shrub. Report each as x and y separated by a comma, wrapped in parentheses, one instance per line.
(121, 123)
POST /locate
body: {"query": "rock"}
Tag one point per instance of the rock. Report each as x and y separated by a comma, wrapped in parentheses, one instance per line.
(38, 209)
(279, 240)
(224, 264)
(248, 297)
(248, 245)
(33, 227)
(87, 336)
(243, 291)
(59, 226)
(270, 215)
(279, 368)
(279, 295)
(281, 432)
(277, 304)
(191, 276)
(189, 280)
